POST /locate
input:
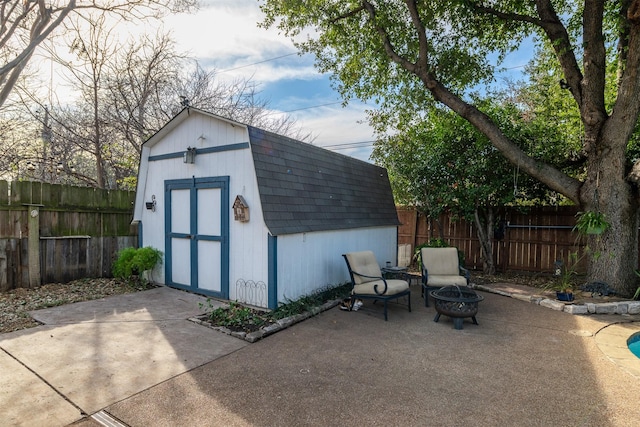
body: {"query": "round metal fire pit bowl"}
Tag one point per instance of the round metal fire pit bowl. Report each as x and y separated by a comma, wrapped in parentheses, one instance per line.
(456, 302)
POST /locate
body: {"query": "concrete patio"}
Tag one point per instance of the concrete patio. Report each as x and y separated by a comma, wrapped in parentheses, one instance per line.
(523, 365)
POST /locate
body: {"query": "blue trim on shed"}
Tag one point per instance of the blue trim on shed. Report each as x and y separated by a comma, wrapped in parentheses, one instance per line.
(221, 148)
(207, 150)
(272, 286)
(140, 239)
(193, 184)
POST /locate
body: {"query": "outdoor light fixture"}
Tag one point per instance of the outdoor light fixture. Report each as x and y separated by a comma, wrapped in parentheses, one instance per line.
(152, 204)
(190, 155)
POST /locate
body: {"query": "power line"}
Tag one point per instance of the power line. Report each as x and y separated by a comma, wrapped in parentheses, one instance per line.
(256, 63)
(303, 108)
(313, 106)
(336, 146)
(274, 59)
(514, 67)
(342, 144)
(348, 145)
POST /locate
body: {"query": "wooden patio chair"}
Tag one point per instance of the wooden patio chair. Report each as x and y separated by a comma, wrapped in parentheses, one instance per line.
(441, 267)
(368, 282)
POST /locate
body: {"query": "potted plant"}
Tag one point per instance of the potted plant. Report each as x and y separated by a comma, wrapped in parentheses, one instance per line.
(565, 295)
(591, 222)
(563, 285)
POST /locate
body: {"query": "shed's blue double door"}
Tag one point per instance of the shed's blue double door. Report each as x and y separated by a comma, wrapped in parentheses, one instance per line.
(197, 235)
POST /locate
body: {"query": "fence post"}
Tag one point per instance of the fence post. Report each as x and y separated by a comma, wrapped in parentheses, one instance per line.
(34, 245)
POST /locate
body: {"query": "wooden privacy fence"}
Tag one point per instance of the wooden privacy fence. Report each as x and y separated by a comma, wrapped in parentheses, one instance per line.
(57, 233)
(532, 242)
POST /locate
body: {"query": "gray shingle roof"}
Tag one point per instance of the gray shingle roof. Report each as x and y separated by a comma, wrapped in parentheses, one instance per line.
(305, 188)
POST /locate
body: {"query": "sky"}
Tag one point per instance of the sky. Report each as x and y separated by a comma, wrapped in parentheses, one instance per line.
(223, 35)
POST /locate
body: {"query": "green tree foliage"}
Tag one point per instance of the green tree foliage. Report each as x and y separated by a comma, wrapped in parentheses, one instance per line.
(444, 163)
(404, 55)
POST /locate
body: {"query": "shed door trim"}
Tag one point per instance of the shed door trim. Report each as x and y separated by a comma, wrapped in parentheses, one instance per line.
(194, 237)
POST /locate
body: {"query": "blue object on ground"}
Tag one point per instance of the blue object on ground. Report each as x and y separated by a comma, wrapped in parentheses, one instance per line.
(634, 344)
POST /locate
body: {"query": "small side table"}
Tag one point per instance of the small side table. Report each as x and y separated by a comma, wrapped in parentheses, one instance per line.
(400, 273)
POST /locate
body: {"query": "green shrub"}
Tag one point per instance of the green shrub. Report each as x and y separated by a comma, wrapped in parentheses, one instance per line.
(122, 265)
(637, 294)
(307, 302)
(239, 317)
(131, 262)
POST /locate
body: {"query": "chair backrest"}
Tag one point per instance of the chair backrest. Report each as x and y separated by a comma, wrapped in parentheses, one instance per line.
(363, 263)
(440, 261)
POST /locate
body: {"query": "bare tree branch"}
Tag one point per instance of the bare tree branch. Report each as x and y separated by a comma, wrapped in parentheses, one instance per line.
(25, 25)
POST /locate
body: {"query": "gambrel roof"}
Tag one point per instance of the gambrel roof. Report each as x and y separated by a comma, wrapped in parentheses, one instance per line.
(306, 188)
(303, 188)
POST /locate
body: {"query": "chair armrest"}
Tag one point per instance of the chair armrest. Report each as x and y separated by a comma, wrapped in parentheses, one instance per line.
(464, 272)
(368, 277)
(375, 288)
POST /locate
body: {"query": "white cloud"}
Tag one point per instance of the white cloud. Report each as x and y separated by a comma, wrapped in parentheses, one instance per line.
(267, 73)
(344, 130)
(224, 36)
(228, 32)
(337, 124)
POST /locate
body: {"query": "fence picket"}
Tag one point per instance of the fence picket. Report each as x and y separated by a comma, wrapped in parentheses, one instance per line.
(81, 229)
(532, 242)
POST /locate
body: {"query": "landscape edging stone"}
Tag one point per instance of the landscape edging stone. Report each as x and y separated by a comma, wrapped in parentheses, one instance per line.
(618, 307)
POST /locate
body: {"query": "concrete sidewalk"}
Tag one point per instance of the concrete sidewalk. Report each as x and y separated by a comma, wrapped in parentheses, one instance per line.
(523, 365)
(92, 354)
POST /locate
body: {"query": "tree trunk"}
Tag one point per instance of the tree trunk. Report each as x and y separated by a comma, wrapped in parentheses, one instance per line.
(98, 143)
(613, 255)
(433, 218)
(439, 227)
(484, 231)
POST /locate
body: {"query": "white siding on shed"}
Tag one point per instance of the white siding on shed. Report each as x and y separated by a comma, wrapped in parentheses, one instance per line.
(289, 187)
(309, 261)
(248, 241)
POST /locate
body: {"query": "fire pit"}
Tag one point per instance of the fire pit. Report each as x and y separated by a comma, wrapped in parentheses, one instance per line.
(456, 302)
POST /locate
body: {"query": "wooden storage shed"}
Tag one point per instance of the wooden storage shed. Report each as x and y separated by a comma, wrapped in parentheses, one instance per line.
(244, 214)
